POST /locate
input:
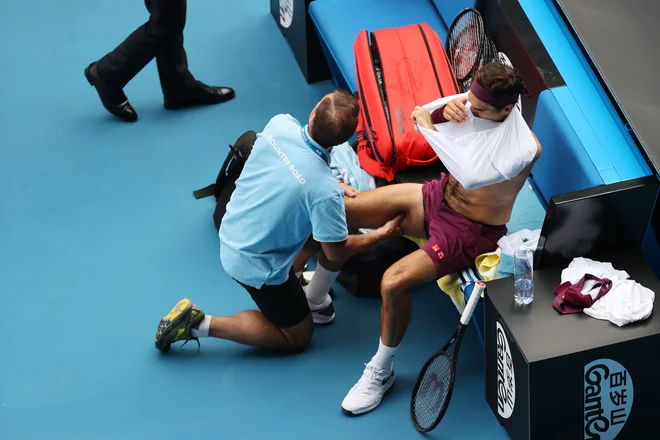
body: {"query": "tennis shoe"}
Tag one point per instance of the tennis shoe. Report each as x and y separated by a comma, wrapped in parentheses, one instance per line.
(323, 313)
(177, 325)
(368, 392)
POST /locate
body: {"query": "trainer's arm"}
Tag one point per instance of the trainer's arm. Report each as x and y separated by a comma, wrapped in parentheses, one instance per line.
(329, 228)
(339, 251)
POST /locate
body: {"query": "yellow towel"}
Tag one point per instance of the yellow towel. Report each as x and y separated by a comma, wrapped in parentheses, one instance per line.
(486, 264)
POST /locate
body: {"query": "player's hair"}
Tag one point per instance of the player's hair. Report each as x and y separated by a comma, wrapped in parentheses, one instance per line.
(500, 80)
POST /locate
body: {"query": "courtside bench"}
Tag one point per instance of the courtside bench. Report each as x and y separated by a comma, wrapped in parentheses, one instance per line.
(585, 144)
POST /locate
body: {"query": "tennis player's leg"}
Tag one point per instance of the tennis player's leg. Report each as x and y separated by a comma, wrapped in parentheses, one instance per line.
(372, 209)
(412, 271)
(283, 323)
(369, 209)
(453, 244)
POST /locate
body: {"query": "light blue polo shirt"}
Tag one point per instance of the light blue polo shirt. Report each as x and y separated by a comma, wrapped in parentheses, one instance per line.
(286, 193)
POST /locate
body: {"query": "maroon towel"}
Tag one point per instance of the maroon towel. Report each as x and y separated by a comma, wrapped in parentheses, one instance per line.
(570, 299)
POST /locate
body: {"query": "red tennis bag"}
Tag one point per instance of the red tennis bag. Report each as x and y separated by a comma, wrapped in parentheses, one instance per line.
(397, 69)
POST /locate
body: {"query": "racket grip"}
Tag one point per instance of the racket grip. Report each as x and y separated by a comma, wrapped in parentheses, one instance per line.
(472, 302)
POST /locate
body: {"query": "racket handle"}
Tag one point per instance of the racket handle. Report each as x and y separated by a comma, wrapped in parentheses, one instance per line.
(472, 302)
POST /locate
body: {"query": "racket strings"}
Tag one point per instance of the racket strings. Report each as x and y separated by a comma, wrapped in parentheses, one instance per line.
(490, 54)
(468, 47)
(465, 41)
(431, 397)
(465, 46)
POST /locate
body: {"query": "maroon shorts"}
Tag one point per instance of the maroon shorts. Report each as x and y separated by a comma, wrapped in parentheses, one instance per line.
(454, 242)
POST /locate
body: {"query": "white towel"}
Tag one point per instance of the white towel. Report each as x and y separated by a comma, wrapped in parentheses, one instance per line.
(510, 243)
(627, 302)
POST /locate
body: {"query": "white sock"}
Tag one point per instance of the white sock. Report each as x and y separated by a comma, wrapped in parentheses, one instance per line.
(203, 330)
(384, 357)
(320, 284)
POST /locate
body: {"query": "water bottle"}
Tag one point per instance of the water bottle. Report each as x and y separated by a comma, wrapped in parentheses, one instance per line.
(522, 271)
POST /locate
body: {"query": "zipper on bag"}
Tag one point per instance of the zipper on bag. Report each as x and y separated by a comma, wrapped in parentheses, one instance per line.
(428, 49)
(380, 81)
(369, 126)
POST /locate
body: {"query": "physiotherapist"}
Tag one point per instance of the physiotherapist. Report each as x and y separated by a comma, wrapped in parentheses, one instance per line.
(285, 194)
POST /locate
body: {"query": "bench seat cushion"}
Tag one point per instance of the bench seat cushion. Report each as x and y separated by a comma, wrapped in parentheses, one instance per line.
(338, 23)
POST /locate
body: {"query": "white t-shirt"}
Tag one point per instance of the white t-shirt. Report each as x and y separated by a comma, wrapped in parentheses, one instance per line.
(479, 152)
(627, 301)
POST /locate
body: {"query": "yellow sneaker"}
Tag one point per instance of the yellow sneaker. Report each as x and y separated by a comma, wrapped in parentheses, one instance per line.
(177, 325)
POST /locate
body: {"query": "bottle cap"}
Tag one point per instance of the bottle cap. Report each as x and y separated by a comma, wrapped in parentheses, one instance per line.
(523, 248)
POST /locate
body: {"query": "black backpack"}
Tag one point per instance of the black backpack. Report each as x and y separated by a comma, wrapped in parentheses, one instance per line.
(231, 169)
(361, 274)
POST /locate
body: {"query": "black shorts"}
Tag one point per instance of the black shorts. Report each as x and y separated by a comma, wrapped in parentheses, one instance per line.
(284, 305)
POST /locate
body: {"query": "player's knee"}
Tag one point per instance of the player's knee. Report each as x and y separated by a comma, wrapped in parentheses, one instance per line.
(392, 284)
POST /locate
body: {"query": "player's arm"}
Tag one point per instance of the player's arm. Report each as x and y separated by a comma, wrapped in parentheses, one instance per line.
(538, 147)
(528, 168)
(454, 111)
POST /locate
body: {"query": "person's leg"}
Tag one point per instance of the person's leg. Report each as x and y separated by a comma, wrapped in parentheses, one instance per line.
(369, 209)
(171, 57)
(325, 275)
(180, 88)
(319, 290)
(312, 248)
(112, 72)
(413, 271)
(453, 244)
(308, 251)
(283, 323)
(251, 327)
(372, 209)
(166, 22)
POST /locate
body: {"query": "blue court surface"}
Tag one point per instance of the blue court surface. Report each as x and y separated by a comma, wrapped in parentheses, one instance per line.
(100, 236)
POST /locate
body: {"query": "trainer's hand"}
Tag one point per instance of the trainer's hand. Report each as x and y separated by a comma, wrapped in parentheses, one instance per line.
(422, 117)
(349, 191)
(392, 228)
(456, 111)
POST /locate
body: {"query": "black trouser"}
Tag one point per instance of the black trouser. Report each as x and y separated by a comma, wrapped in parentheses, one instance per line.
(160, 37)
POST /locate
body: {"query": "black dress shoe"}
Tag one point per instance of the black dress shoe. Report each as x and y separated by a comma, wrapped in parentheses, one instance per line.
(199, 94)
(113, 98)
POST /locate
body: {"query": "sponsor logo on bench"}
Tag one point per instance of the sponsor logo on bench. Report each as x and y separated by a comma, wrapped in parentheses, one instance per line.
(506, 377)
(286, 13)
(608, 399)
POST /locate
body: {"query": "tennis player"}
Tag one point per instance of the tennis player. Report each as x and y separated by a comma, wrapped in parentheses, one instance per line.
(459, 224)
(285, 194)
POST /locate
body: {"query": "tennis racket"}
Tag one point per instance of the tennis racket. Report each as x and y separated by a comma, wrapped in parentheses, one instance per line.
(490, 53)
(503, 59)
(435, 384)
(466, 46)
